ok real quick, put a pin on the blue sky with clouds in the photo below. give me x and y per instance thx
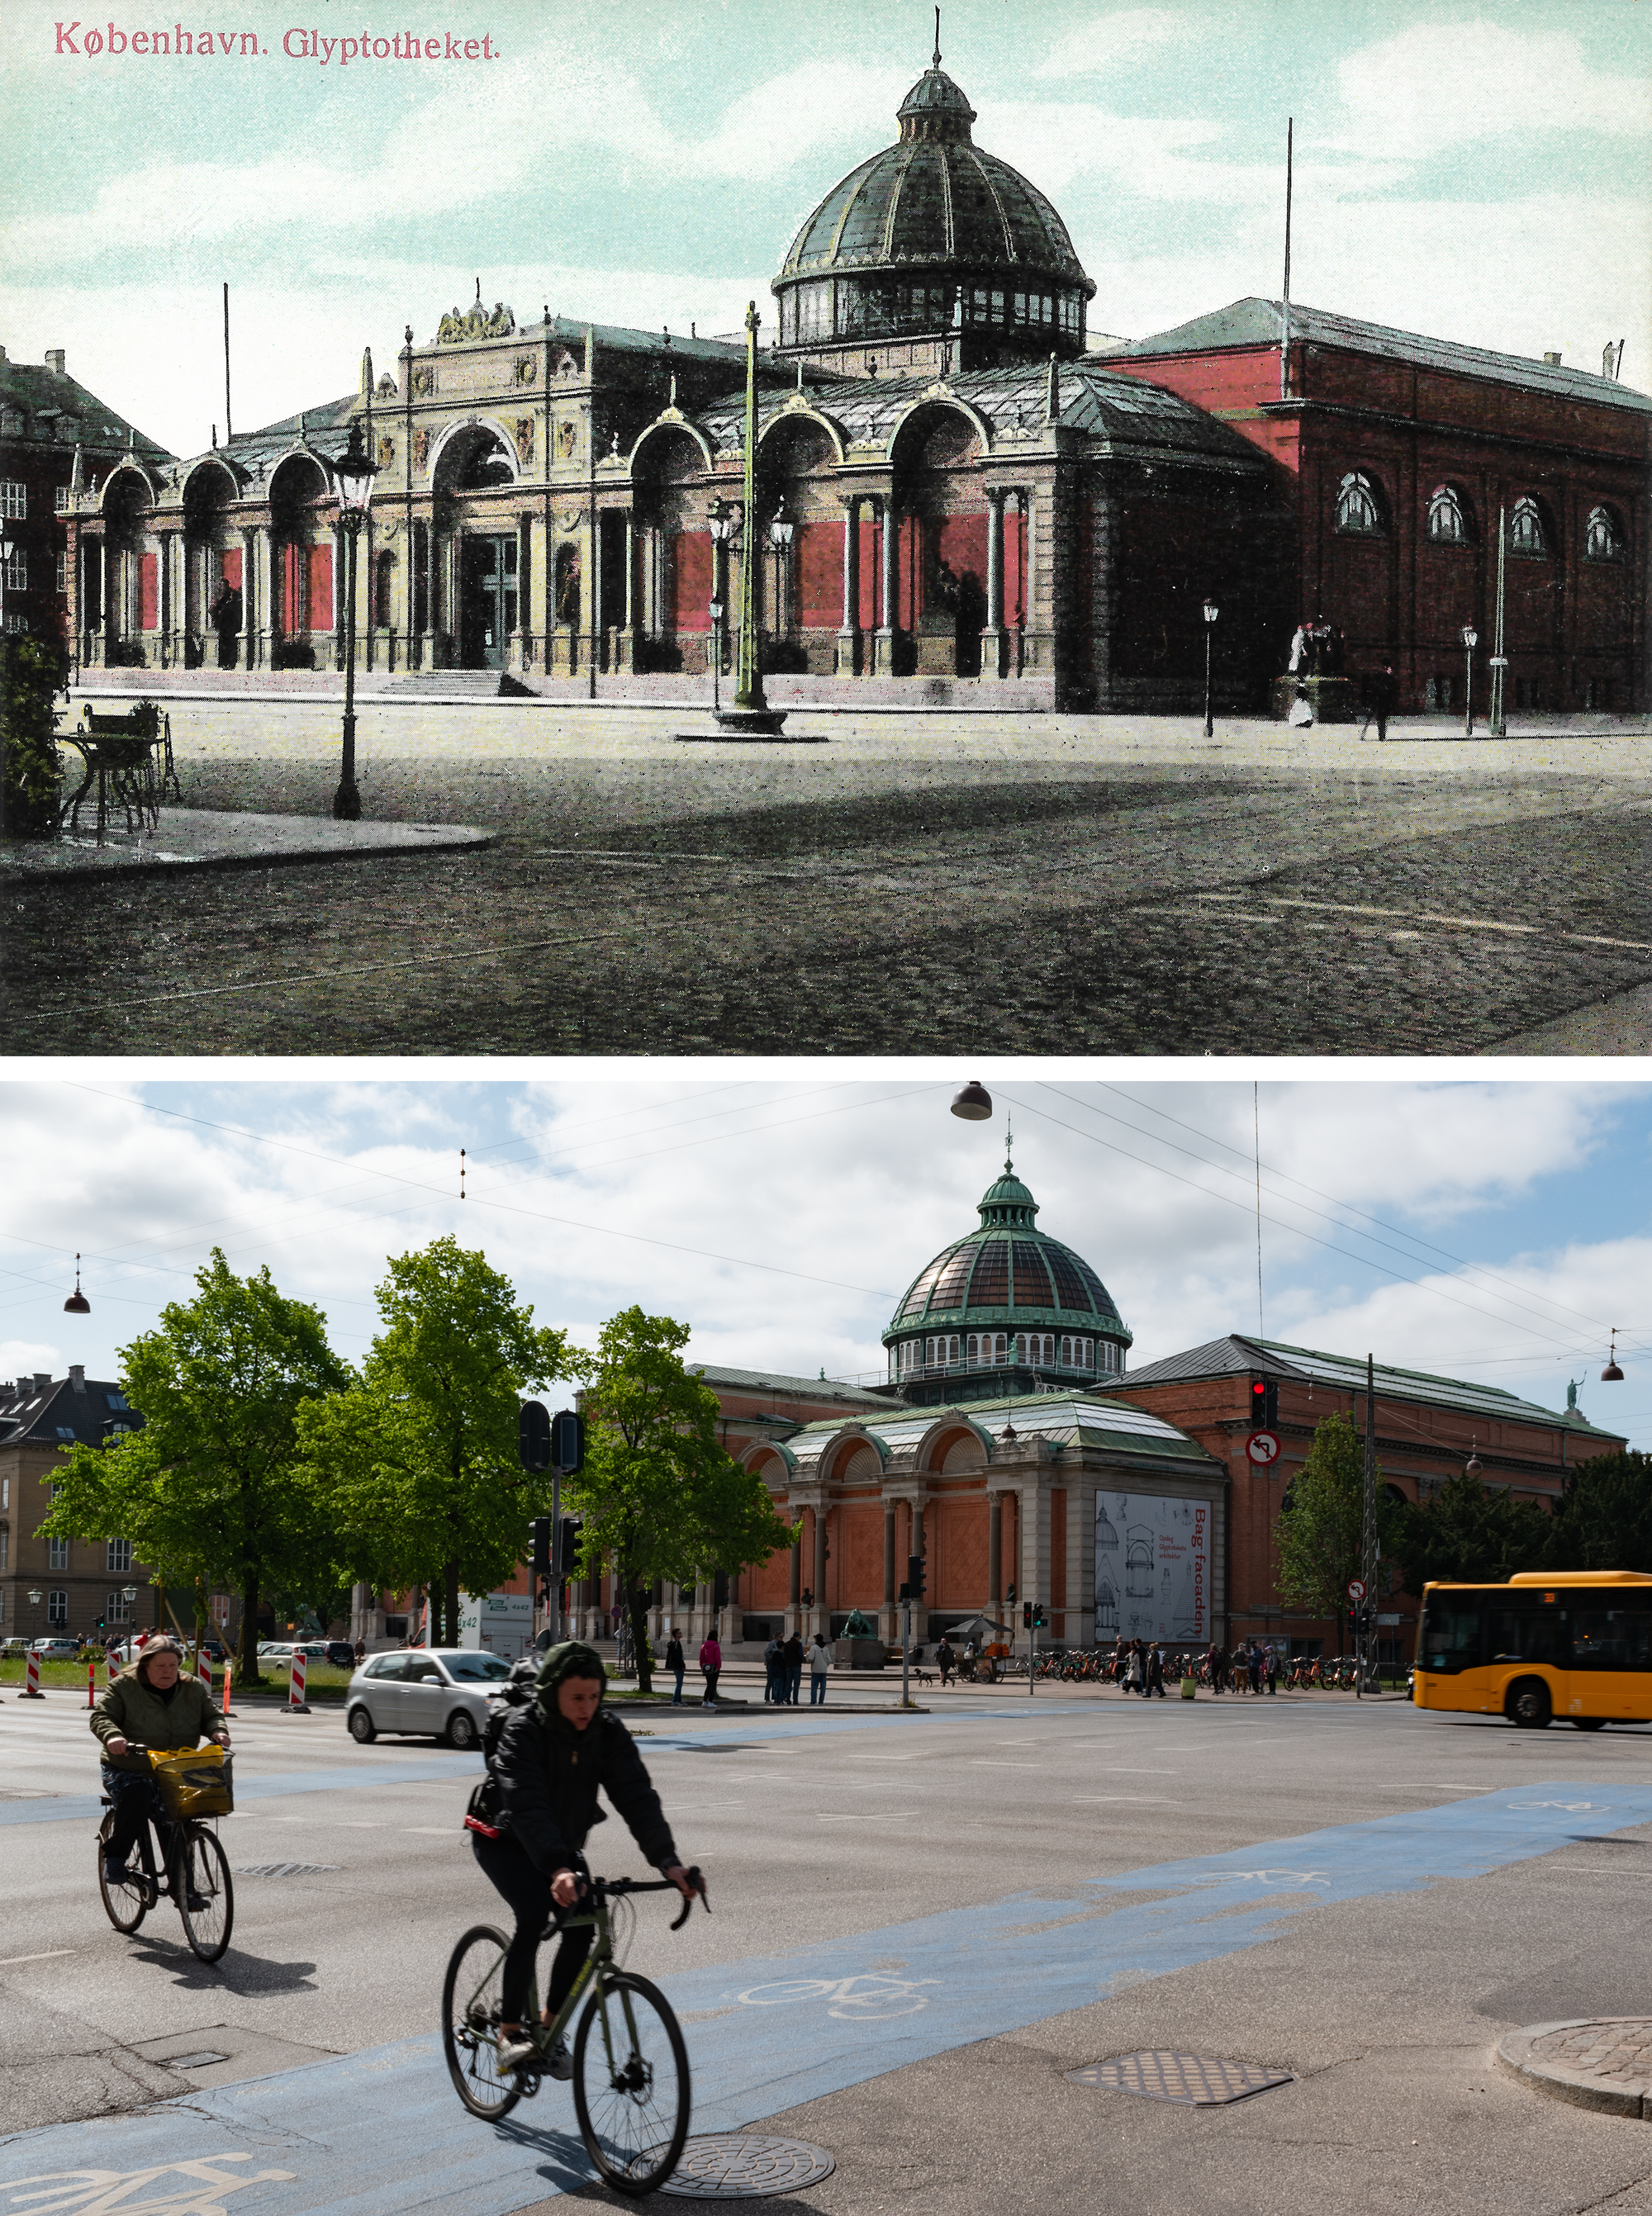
(1478, 171)
(1480, 1229)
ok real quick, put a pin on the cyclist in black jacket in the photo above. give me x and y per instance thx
(553, 1755)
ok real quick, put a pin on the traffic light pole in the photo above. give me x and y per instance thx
(555, 1558)
(906, 1654)
(1366, 1611)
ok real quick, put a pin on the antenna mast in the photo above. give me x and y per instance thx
(228, 432)
(1285, 317)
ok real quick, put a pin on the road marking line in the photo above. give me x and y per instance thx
(859, 1816)
(49, 1956)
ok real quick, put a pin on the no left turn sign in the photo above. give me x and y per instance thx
(1263, 1448)
(1356, 1589)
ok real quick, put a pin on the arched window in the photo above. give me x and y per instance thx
(951, 1349)
(1020, 1346)
(1527, 532)
(1002, 1352)
(1067, 1353)
(1448, 517)
(1603, 541)
(1360, 506)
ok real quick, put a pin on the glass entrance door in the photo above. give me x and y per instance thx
(489, 600)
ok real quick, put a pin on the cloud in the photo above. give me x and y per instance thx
(1433, 88)
(1095, 47)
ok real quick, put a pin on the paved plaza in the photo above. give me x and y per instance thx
(898, 883)
(966, 1951)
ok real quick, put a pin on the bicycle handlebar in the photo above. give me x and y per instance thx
(695, 1876)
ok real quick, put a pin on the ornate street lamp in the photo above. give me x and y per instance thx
(1470, 640)
(780, 530)
(751, 713)
(77, 1303)
(724, 522)
(355, 470)
(1210, 614)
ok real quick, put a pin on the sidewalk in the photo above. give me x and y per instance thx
(199, 838)
(1604, 2064)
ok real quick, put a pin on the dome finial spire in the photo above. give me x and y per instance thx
(936, 63)
(1009, 1166)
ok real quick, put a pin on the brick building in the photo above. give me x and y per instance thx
(1426, 1429)
(1399, 456)
(57, 439)
(79, 1580)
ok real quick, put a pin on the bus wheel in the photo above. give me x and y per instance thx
(1527, 1704)
(1588, 1723)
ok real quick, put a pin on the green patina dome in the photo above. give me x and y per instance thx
(1005, 1283)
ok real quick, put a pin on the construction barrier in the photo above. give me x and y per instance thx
(296, 1703)
(204, 1671)
(32, 1690)
(91, 1683)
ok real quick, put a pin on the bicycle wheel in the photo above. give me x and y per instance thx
(471, 2008)
(204, 1890)
(630, 2084)
(127, 1905)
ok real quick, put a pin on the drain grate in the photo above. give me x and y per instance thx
(194, 2061)
(1197, 2081)
(283, 1869)
(745, 2166)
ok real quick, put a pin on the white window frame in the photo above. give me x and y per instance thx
(14, 500)
(57, 1609)
(57, 1554)
(118, 1557)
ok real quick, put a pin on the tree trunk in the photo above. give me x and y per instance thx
(247, 1662)
(450, 1603)
(638, 1594)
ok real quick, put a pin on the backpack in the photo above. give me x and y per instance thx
(483, 1812)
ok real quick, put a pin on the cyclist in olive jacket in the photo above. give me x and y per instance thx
(553, 1754)
(152, 1706)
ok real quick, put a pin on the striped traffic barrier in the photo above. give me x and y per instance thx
(91, 1682)
(296, 1705)
(204, 1671)
(32, 1690)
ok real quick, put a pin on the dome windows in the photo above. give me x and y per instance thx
(1603, 538)
(1528, 529)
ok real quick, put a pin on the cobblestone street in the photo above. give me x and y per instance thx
(912, 883)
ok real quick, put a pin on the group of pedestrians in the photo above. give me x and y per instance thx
(711, 1662)
(1250, 1668)
(783, 1666)
(1138, 1667)
(1142, 1665)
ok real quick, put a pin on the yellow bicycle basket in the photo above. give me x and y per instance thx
(194, 1782)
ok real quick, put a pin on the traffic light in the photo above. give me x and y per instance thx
(541, 1545)
(1026, 1614)
(568, 1441)
(532, 1436)
(1038, 1615)
(1264, 1403)
(905, 1593)
(567, 1548)
(915, 1575)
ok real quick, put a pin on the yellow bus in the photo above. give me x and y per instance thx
(1577, 1645)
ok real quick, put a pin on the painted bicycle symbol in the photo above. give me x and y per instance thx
(1571, 1808)
(1264, 1877)
(170, 2188)
(864, 1999)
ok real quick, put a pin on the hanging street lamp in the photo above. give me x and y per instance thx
(973, 1102)
(77, 1303)
(355, 471)
(1210, 614)
(750, 715)
(1611, 1374)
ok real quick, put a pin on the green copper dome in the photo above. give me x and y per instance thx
(1004, 1299)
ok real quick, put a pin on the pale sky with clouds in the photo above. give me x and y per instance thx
(1477, 170)
(1484, 1230)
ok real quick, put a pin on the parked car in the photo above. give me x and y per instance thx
(440, 1694)
(58, 1650)
(8, 1647)
(342, 1653)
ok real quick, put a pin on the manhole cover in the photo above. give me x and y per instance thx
(1198, 2081)
(744, 2166)
(283, 1869)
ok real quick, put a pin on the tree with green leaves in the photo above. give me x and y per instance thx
(659, 1495)
(418, 1459)
(31, 767)
(1319, 1538)
(1603, 1519)
(212, 1490)
(1468, 1534)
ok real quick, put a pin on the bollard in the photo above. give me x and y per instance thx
(229, 1673)
(32, 1690)
(296, 1705)
(91, 1682)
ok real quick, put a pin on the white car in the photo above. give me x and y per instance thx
(440, 1694)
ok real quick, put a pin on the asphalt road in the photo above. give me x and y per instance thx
(920, 1924)
(1038, 884)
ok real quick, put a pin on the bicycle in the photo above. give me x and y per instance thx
(632, 2097)
(195, 1873)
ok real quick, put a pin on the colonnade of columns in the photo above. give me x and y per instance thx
(871, 652)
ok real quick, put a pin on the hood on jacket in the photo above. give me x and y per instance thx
(572, 1658)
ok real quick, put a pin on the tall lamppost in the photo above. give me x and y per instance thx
(751, 712)
(724, 521)
(354, 469)
(1470, 640)
(1210, 614)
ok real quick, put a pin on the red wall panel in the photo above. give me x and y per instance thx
(293, 620)
(818, 555)
(321, 586)
(149, 592)
(232, 567)
(691, 571)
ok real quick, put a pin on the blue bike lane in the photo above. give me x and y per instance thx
(380, 2132)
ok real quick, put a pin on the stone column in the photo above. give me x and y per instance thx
(626, 656)
(888, 1615)
(995, 1554)
(794, 1581)
(248, 579)
(849, 636)
(524, 587)
(920, 1608)
(889, 608)
(992, 636)
(272, 572)
(820, 1610)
